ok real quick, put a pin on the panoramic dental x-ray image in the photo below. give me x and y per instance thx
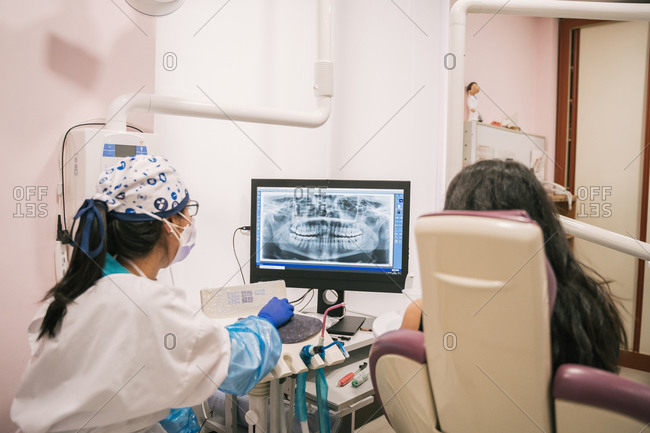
(327, 227)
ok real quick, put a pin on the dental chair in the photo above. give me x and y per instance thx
(483, 362)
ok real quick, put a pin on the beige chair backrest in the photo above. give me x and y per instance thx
(486, 322)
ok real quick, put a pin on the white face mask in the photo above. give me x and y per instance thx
(187, 238)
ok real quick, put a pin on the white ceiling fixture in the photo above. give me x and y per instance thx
(155, 8)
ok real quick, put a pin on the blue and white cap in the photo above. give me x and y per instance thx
(140, 186)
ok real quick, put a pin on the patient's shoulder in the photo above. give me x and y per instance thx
(412, 315)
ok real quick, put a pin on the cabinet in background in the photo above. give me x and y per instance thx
(482, 141)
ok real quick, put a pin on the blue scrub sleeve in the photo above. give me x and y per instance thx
(255, 348)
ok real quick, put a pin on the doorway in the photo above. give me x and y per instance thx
(602, 157)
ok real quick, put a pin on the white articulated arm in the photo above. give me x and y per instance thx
(606, 238)
(121, 106)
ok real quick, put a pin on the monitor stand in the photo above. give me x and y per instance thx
(328, 298)
(347, 325)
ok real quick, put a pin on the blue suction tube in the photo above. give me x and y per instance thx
(321, 398)
(306, 354)
(301, 402)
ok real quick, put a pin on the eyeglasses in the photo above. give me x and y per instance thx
(192, 208)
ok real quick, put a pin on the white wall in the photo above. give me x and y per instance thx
(263, 55)
(62, 63)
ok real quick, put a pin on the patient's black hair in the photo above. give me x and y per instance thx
(586, 327)
(469, 86)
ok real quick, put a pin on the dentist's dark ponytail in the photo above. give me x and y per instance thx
(127, 239)
(82, 273)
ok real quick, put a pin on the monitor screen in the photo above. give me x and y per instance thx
(330, 234)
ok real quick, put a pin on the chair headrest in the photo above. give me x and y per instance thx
(510, 215)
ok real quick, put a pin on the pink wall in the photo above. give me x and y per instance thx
(62, 63)
(514, 61)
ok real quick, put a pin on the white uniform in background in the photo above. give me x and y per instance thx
(472, 104)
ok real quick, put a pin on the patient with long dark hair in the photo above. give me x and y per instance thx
(586, 327)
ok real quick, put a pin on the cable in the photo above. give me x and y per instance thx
(360, 313)
(63, 235)
(302, 297)
(322, 335)
(308, 302)
(298, 301)
(65, 137)
(234, 251)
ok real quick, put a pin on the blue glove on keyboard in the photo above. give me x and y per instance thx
(277, 311)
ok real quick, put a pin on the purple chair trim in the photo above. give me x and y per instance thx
(403, 342)
(594, 387)
(551, 283)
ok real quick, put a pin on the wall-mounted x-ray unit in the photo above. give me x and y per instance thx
(89, 151)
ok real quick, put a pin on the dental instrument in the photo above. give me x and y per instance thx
(350, 376)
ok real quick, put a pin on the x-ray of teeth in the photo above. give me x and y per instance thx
(328, 227)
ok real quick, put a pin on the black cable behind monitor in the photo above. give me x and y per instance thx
(234, 251)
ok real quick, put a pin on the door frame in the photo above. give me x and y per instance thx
(565, 156)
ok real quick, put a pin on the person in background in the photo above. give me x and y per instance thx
(112, 349)
(472, 102)
(586, 327)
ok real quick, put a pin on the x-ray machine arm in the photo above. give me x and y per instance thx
(323, 91)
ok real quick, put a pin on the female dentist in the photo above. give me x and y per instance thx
(112, 349)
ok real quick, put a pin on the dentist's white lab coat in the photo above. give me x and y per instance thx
(128, 351)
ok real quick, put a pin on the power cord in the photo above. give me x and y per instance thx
(234, 250)
(302, 298)
(308, 302)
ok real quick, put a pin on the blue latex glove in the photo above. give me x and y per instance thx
(277, 311)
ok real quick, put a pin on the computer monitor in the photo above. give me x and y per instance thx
(330, 234)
